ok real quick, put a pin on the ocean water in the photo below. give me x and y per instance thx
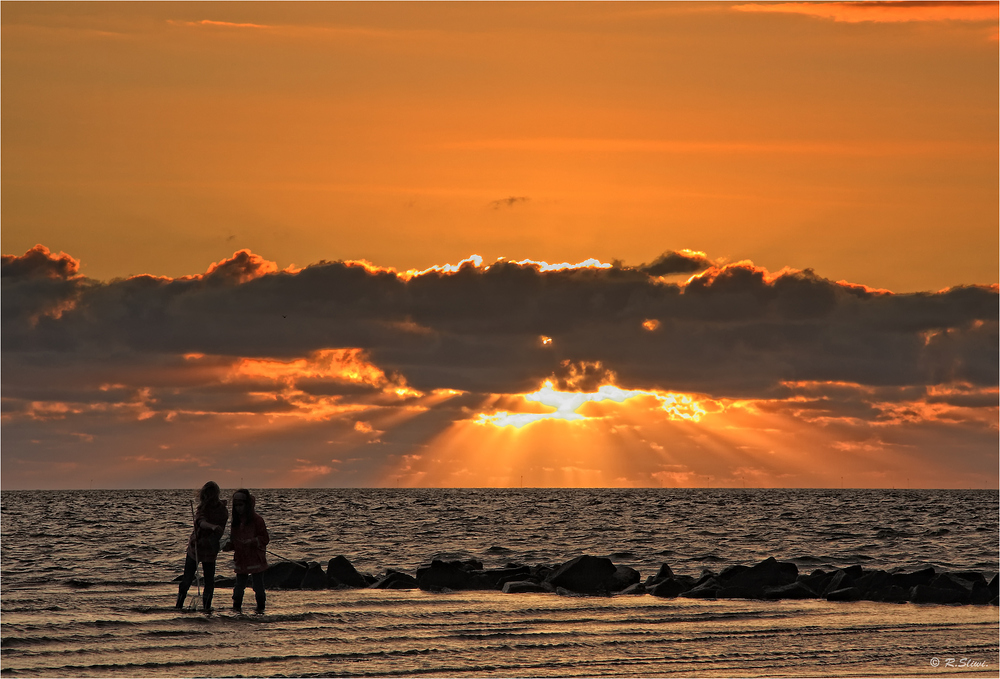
(87, 584)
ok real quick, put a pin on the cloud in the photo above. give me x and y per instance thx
(882, 12)
(216, 24)
(39, 262)
(673, 262)
(510, 201)
(338, 352)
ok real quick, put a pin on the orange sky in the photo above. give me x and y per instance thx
(258, 223)
(859, 140)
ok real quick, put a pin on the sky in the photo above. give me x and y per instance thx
(478, 244)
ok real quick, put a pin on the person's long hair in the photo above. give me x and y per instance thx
(237, 519)
(209, 492)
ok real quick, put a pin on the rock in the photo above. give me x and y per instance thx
(927, 594)
(497, 577)
(794, 590)
(541, 572)
(669, 588)
(740, 593)
(818, 580)
(637, 588)
(874, 585)
(444, 575)
(842, 579)
(953, 582)
(396, 580)
(705, 576)
(284, 575)
(623, 577)
(768, 573)
(910, 580)
(664, 573)
(525, 587)
(980, 594)
(339, 571)
(707, 589)
(969, 576)
(845, 594)
(585, 574)
(732, 571)
(995, 584)
(314, 577)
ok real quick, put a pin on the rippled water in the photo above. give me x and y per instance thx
(86, 584)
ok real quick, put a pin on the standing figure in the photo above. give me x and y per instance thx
(203, 545)
(248, 538)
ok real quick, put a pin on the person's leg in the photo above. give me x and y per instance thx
(258, 590)
(208, 568)
(190, 565)
(241, 584)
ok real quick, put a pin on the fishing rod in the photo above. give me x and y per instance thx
(303, 564)
(197, 561)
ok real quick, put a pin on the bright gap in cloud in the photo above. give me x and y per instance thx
(565, 405)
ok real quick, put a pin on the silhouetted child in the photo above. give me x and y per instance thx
(203, 545)
(248, 538)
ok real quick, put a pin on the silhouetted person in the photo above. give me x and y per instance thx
(247, 538)
(203, 545)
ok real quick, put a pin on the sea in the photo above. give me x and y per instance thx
(88, 587)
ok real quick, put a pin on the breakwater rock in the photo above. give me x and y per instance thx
(590, 575)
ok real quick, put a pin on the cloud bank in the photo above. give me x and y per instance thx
(358, 347)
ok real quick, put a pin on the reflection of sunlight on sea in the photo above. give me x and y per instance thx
(114, 632)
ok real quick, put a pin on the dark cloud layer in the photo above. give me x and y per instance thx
(732, 331)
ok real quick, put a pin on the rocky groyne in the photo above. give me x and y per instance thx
(590, 575)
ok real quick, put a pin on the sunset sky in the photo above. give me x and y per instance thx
(477, 244)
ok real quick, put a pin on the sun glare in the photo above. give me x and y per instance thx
(566, 404)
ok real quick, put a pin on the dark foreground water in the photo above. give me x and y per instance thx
(86, 585)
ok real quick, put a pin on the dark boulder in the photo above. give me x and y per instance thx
(794, 590)
(952, 581)
(708, 588)
(768, 573)
(980, 593)
(396, 580)
(623, 577)
(732, 571)
(526, 587)
(637, 588)
(669, 588)
(842, 579)
(314, 577)
(497, 577)
(444, 575)
(740, 593)
(818, 580)
(284, 575)
(585, 575)
(874, 585)
(705, 576)
(664, 573)
(927, 594)
(845, 594)
(910, 580)
(995, 584)
(339, 571)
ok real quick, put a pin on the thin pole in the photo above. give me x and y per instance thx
(303, 564)
(197, 561)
